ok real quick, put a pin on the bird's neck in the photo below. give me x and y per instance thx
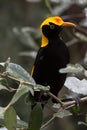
(44, 41)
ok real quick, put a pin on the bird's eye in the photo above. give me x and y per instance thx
(52, 26)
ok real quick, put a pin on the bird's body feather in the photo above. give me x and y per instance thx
(47, 64)
(52, 56)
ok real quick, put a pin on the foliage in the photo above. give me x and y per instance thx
(19, 35)
(26, 84)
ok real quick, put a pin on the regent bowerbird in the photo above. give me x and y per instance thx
(52, 55)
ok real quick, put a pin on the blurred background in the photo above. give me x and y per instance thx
(20, 38)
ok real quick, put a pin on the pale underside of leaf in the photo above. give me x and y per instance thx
(76, 85)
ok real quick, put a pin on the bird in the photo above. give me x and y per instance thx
(52, 55)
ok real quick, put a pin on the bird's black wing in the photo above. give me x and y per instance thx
(37, 70)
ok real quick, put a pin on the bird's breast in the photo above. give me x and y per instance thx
(48, 62)
(56, 55)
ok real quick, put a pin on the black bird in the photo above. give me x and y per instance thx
(52, 55)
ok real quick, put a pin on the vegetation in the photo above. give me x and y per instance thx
(20, 39)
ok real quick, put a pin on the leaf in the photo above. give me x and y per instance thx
(3, 81)
(76, 85)
(56, 105)
(2, 110)
(76, 109)
(22, 124)
(36, 117)
(3, 87)
(82, 123)
(30, 42)
(1, 120)
(62, 114)
(5, 64)
(20, 91)
(25, 38)
(77, 68)
(81, 36)
(18, 72)
(47, 119)
(33, 1)
(3, 84)
(39, 87)
(86, 118)
(10, 118)
(31, 54)
(2, 64)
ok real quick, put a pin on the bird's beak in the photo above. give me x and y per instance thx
(69, 24)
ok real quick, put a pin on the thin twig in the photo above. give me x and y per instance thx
(72, 42)
(72, 16)
(81, 30)
(70, 103)
(5, 75)
(64, 105)
(48, 122)
(56, 98)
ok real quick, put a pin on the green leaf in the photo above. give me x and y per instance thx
(76, 109)
(3, 81)
(20, 73)
(47, 119)
(62, 114)
(2, 120)
(2, 64)
(82, 123)
(25, 38)
(77, 68)
(36, 117)
(21, 124)
(2, 116)
(39, 87)
(10, 118)
(86, 118)
(5, 64)
(3, 84)
(30, 42)
(56, 105)
(3, 87)
(31, 54)
(21, 91)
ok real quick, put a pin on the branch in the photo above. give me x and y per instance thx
(72, 16)
(56, 98)
(73, 103)
(72, 42)
(64, 105)
(5, 75)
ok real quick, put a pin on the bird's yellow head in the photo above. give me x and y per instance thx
(50, 26)
(56, 20)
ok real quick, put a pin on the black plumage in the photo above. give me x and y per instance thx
(50, 59)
